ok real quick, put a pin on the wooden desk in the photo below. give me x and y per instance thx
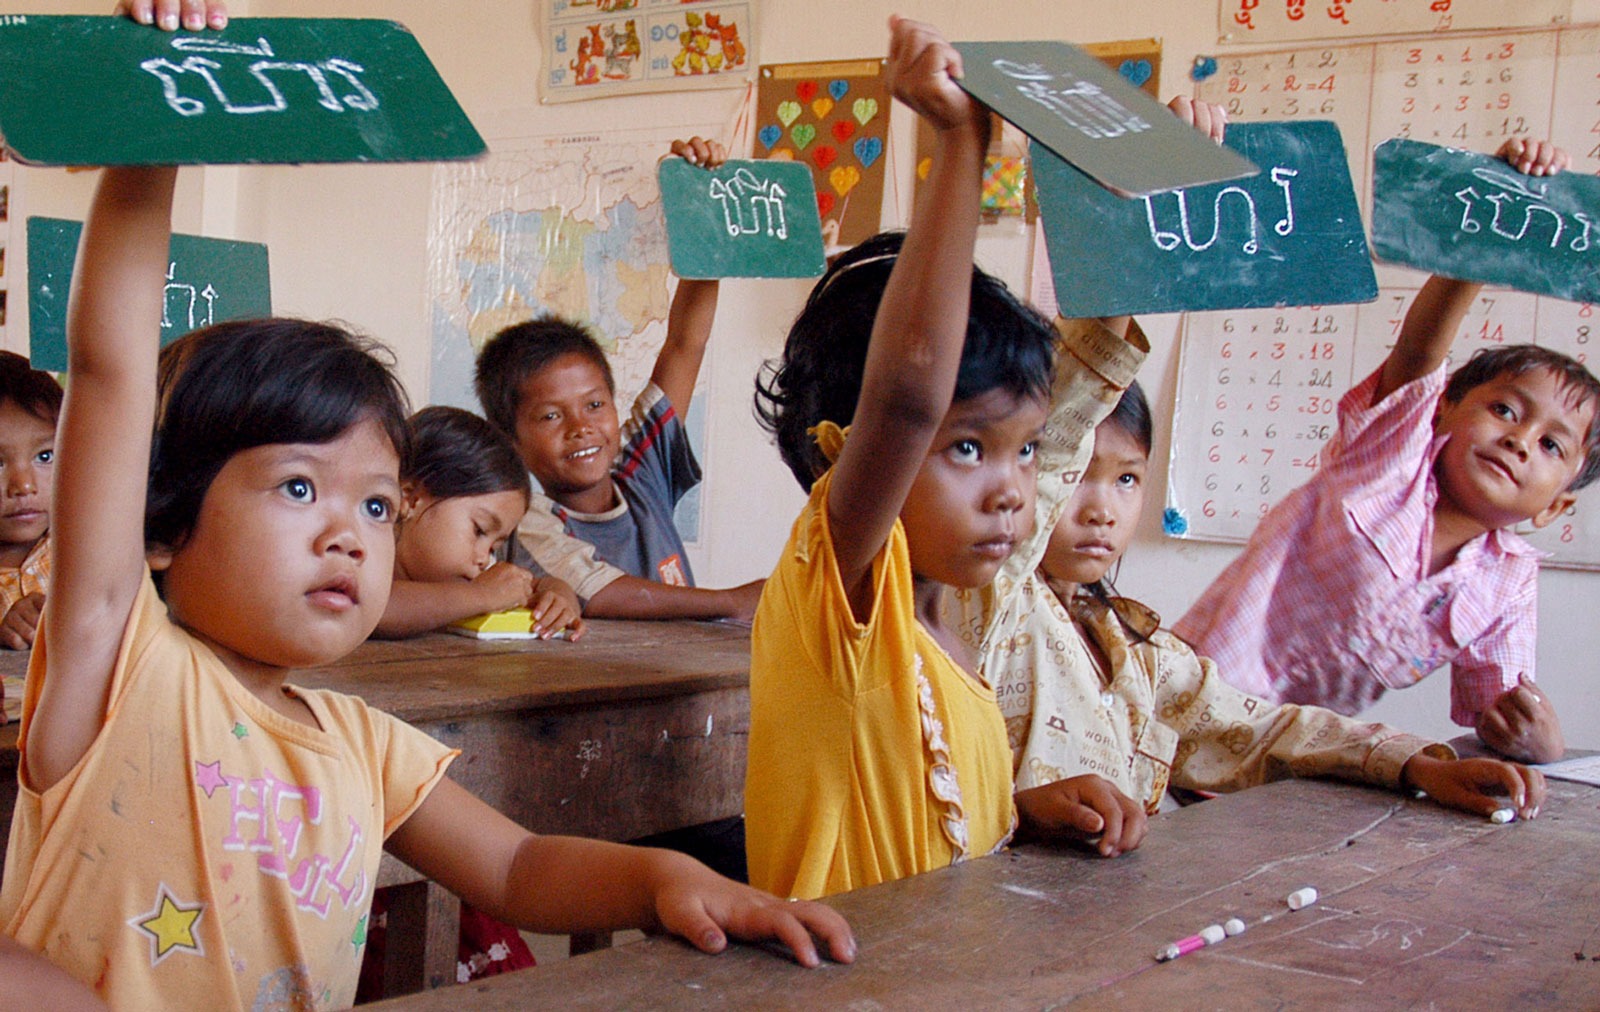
(1420, 908)
(636, 730)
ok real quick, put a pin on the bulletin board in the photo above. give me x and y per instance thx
(1258, 389)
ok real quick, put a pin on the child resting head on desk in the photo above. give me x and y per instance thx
(188, 823)
(603, 519)
(462, 492)
(1398, 556)
(30, 402)
(1095, 695)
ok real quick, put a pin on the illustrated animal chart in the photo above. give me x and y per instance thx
(834, 117)
(596, 48)
(1007, 184)
(208, 281)
(264, 90)
(1258, 389)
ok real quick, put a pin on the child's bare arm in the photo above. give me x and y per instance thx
(113, 323)
(694, 306)
(1435, 316)
(566, 884)
(915, 349)
(416, 607)
(1476, 785)
(33, 982)
(635, 597)
(1522, 725)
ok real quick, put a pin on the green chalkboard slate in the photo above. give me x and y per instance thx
(107, 91)
(208, 281)
(1290, 236)
(1470, 216)
(743, 219)
(1091, 116)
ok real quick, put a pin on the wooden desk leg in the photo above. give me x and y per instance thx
(588, 941)
(424, 937)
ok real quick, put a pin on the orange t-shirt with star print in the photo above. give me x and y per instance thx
(208, 849)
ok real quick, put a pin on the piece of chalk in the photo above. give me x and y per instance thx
(1233, 926)
(1212, 934)
(1301, 898)
(1501, 816)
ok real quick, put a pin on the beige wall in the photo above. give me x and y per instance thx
(351, 242)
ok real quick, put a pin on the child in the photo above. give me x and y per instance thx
(30, 400)
(1094, 691)
(1398, 556)
(462, 493)
(875, 750)
(603, 523)
(188, 824)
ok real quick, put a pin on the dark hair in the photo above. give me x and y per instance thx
(456, 453)
(1576, 381)
(30, 389)
(520, 351)
(247, 383)
(1009, 345)
(1132, 415)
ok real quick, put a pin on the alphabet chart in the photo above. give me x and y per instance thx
(1258, 389)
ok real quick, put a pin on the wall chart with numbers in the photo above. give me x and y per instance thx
(1258, 389)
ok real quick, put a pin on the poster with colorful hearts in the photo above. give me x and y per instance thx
(834, 116)
(1007, 184)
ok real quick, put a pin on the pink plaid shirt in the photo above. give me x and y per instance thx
(1329, 604)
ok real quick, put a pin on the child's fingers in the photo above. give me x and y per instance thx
(687, 918)
(576, 629)
(823, 922)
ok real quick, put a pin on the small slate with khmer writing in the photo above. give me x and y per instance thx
(1089, 115)
(743, 219)
(107, 91)
(1290, 236)
(1474, 217)
(208, 281)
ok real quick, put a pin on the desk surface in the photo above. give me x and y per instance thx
(1420, 907)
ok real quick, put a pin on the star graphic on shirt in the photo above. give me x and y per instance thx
(170, 925)
(208, 776)
(240, 731)
(358, 938)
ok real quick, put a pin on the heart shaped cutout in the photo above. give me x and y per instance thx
(824, 155)
(807, 90)
(824, 204)
(822, 106)
(802, 134)
(843, 130)
(867, 150)
(788, 112)
(770, 135)
(864, 109)
(838, 88)
(844, 178)
(1137, 71)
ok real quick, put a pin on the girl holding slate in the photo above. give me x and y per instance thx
(190, 825)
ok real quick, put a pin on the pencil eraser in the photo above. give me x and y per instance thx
(1212, 934)
(1301, 898)
(1233, 926)
(1502, 816)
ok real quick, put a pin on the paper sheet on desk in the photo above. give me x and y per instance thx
(1582, 770)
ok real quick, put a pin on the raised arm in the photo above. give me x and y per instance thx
(636, 597)
(1435, 316)
(921, 323)
(694, 306)
(97, 536)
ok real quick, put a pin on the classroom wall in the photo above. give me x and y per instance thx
(351, 242)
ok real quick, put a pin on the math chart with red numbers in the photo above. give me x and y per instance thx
(1258, 389)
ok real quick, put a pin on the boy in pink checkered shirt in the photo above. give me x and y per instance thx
(1398, 556)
